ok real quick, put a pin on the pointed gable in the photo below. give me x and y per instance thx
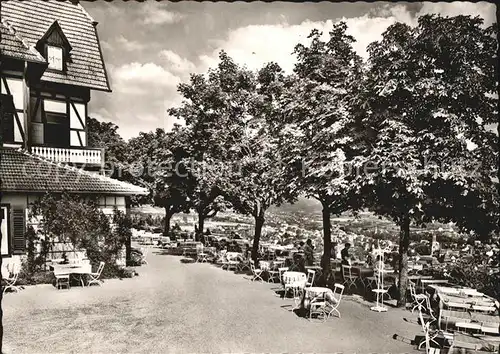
(54, 36)
(65, 21)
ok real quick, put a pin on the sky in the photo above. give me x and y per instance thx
(151, 47)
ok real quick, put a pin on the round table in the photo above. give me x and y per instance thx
(312, 293)
(294, 279)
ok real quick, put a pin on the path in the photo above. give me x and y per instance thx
(176, 307)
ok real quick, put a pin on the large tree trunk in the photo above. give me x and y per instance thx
(327, 241)
(404, 243)
(128, 250)
(259, 222)
(168, 216)
(201, 225)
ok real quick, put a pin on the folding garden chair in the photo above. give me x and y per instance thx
(327, 304)
(274, 274)
(310, 277)
(62, 280)
(431, 334)
(201, 257)
(144, 251)
(244, 265)
(256, 272)
(94, 277)
(420, 301)
(349, 278)
(11, 279)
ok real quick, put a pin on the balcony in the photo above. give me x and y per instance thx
(84, 156)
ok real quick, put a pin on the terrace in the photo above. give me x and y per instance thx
(175, 307)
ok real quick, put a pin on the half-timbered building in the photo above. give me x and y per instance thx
(50, 63)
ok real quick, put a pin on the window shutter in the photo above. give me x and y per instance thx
(19, 230)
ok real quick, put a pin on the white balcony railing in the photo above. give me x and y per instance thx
(70, 155)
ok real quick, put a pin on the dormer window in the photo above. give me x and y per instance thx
(55, 47)
(55, 57)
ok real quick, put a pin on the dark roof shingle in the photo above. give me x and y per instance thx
(24, 172)
(12, 46)
(31, 20)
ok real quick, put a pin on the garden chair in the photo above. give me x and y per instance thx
(310, 278)
(420, 301)
(273, 273)
(94, 277)
(11, 279)
(326, 305)
(144, 251)
(281, 271)
(201, 256)
(349, 278)
(62, 280)
(244, 265)
(256, 272)
(431, 335)
(230, 263)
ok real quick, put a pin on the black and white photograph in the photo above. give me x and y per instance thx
(249, 177)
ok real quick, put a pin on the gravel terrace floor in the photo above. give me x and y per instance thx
(175, 307)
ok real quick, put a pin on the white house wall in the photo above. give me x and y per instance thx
(16, 88)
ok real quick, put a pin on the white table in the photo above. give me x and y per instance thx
(294, 279)
(72, 269)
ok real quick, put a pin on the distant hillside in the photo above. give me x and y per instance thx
(303, 205)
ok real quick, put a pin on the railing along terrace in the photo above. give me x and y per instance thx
(70, 155)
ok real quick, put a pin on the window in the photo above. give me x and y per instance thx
(56, 130)
(4, 217)
(13, 122)
(55, 57)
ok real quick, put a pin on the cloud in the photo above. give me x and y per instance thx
(482, 9)
(136, 77)
(176, 62)
(145, 87)
(138, 102)
(157, 14)
(106, 45)
(130, 45)
(256, 45)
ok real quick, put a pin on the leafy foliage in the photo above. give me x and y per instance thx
(319, 115)
(218, 99)
(153, 159)
(78, 221)
(429, 96)
(105, 135)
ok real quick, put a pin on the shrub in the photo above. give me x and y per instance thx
(85, 226)
(115, 271)
(27, 277)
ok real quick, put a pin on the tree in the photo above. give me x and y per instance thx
(212, 104)
(105, 135)
(152, 159)
(319, 117)
(429, 95)
(260, 182)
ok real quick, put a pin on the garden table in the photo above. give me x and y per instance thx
(464, 342)
(425, 283)
(294, 277)
(313, 293)
(72, 269)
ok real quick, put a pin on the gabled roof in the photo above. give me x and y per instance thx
(13, 46)
(57, 28)
(21, 172)
(32, 19)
